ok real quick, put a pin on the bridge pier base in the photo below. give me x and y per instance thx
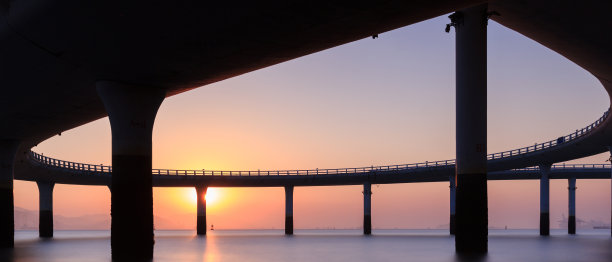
(45, 203)
(471, 227)
(131, 110)
(201, 221)
(452, 205)
(571, 222)
(544, 200)
(8, 150)
(367, 209)
(288, 210)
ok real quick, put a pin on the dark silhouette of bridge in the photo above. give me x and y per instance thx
(83, 60)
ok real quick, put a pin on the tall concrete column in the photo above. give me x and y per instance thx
(288, 210)
(201, 222)
(367, 209)
(453, 193)
(610, 150)
(45, 203)
(571, 223)
(471, 129)
(131, 110)
(8, 150)
(544, 200)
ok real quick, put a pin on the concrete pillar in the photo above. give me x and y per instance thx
(201, 222)
(452, 205)
(610, 150)
(8, 150)
(45, 203)
(367, 209)
(131, 110)
(544, 200)
(471, 219)
(288, 210)
(571, 223)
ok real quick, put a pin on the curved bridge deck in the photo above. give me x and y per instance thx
(508, 165)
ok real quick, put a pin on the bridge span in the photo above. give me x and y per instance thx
(47, 171)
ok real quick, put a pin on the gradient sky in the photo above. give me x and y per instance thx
(380, 101)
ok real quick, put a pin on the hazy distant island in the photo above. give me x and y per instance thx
(26, 219)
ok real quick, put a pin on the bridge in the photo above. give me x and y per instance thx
(87, 60)
(47, 171)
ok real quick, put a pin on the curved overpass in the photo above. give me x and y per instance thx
(582, 143)
(42, 169)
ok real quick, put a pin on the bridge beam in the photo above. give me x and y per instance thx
(544, 200)
(8, 150)
(201, 209)
(367, 209)
(288, 210)
(131, 110)
(45, 203)
(453, 194)
(471, 130)
(571, 222)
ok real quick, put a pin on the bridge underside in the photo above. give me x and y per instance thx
(45, 52)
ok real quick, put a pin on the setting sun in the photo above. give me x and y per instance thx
(212, 195)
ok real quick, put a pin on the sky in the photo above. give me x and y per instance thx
(383, 101)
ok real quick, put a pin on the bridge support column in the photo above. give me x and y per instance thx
(571, 222)
(45, 203)
(201, 222)
(288, 210)
(367, 209)
(8, 150)
(131, 110)
(544, 200)
(452, 205)
(471, 227)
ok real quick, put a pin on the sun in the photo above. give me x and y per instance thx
(212, 195)
(188, 197)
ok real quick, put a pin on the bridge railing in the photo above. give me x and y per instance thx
(48, 161)
(434, 164)
(332, 171)
(560, 140)
(568, 166)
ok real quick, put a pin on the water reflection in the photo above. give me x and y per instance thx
(326, 245)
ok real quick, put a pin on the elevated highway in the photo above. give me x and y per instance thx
(507, 165)
(63, 172)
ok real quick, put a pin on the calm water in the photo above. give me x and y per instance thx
(318, 245)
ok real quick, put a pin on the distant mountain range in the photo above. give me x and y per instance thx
(28, 220)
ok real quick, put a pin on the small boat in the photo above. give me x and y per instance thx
(212, 227)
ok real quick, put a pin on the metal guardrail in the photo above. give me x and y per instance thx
(567, 166)
(563, 139)
(81, 167)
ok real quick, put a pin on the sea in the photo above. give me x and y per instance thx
(511, 245)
